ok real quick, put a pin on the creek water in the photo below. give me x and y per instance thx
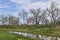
(37, 37)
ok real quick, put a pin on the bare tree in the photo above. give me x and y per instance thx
(2, 17)
(53, 12)
(16, 21)
(30, 20)
(44, 17)
(36, 15)
(23, 15)
(13, 20)
(6, 20)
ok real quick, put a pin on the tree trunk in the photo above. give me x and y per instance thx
(42, 37)
(56, 38)
(52, 37)
(37, 37)
(37, 21)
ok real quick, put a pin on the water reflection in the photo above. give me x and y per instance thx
(37, 37)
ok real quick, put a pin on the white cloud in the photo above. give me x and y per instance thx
(38, 5)
(20, 1)
(35, 5)
(26, 4)
(42, 5)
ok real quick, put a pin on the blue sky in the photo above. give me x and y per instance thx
(12, 7)
(7, 7)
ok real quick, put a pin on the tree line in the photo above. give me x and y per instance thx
(37, 16)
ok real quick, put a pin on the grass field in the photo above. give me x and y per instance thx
(4, 35)
(41, 31)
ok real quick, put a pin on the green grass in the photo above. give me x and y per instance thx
(41, 30)
(4, 35)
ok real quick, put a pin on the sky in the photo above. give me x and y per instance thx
(13, 7)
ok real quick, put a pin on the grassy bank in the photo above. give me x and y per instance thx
(40, 30)
(5, 35)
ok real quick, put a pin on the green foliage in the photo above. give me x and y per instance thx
(31, 27)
